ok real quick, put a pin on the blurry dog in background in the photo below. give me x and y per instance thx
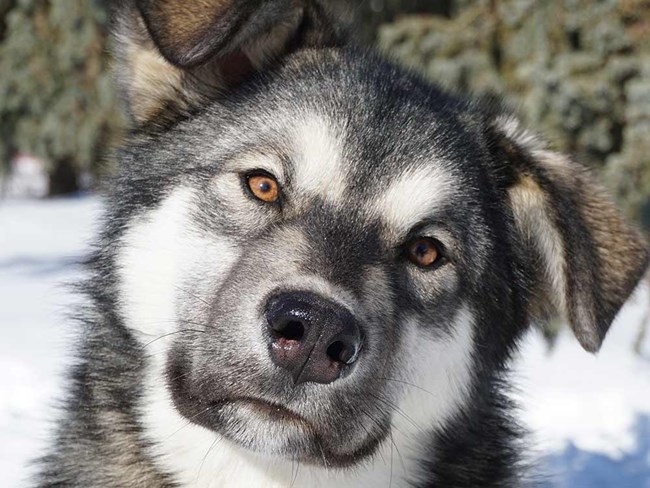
(315, 266)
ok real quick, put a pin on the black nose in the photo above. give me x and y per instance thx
(312, 338)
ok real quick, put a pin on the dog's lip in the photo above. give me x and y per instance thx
(273, 410)
(222, 409)
(326, 457)
(233, 407)
(186, 402)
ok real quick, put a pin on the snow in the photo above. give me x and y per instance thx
(592, 400)
(40, 242)
(27, 177)
(590, 414)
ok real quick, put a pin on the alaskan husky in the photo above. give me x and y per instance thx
(315, 266)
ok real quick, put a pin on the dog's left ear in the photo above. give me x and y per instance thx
(584, 259)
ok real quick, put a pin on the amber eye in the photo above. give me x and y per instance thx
(263, 187)
(423, 252)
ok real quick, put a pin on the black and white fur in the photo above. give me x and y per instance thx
(174, 384)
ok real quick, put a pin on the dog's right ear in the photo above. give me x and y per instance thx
(174, 55)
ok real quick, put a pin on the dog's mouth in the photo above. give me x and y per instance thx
(271, 428)
(267, 411)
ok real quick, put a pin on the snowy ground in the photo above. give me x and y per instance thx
(590, 415)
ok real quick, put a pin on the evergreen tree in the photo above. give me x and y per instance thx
(57, 98)
(579, 72)
(374, 13)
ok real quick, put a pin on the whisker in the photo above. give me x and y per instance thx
(294, 477)
(155, 354)
(193, 295)
(178, 377)
(399, 454)
(392, 444)
(322, 453)
(198, 324)
(398, 410)
(379, 426)
(410, 384)
(189, 421)
(368, 432)
(214, 443)
(371, 417)
(177, 320)
(170, 334)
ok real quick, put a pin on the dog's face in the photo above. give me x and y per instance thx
(334, 250)
(325, 257)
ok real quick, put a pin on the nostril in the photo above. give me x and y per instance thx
(291, 330)
(341, 352)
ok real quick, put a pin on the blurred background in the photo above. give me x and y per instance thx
(578, 71)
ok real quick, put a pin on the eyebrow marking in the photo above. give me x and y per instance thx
(269, 162)
(413, 196)
(318, 158)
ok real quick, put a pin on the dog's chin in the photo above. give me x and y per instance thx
(273, 430)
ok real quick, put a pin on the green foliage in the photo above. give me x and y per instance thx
(578, 70)
(57, 99)
(373, 13)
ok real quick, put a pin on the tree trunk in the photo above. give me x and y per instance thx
(63, 178)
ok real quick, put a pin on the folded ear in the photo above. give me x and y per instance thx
(585, 259)
(173, 55)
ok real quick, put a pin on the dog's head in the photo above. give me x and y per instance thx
(323, 246)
